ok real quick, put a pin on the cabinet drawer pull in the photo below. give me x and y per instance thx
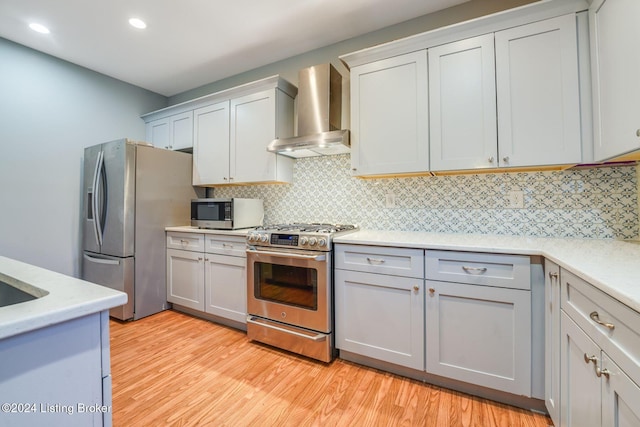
(375, 260)
(184, 242)
(596, 318)
(474, 269)
(227, 245)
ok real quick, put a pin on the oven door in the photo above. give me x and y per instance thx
(290, 286)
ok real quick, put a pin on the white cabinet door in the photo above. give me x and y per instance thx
(615, 43)
(552, 340)
(389, 116)
(226, 287)
(253, 127)
(620, 397)
(480, 335)
(211, 144)
(462, 105)
(174, 132)
(580, 400)
(381, 317)
(185, 278)
(158, 132)
(538, 94)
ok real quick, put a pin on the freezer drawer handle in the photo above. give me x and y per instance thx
(319, 337)
(102, 260)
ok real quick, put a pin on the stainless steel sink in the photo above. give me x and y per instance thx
(15, 292)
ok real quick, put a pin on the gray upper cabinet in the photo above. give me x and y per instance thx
(230, 131)
(509, 90)
(389, 116)
(462, 105)
(174, 132)
(615, 43)
(538, 94)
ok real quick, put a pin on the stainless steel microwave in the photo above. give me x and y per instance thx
(226, 214)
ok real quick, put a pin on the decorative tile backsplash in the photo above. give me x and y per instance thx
(582, 203)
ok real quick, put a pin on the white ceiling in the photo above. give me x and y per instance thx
(189, 43)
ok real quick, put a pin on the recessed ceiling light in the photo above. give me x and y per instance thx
(39, 28)
(138, 23)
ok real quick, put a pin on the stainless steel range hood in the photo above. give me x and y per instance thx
(319, 116)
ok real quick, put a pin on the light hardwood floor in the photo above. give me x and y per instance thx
(174, 369)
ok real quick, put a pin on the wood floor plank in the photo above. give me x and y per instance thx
(171, 369)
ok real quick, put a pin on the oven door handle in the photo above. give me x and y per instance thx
(321, 257)
(317, 338)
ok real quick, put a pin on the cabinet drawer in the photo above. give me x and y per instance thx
(381, 260)
(225, 245)
(185, 241)
(505, 271)
(618, 332)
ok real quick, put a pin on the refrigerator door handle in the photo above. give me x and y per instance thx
(97, 215)
(102, 260)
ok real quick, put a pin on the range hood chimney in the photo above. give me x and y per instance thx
(319, 116)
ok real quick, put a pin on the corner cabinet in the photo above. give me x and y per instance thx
(380, 303)
(552, 340)
(615, 43)
(207, 273)
(600, 358)
(389, 116)
(230, 131)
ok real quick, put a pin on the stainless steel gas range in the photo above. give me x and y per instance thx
(290, 287)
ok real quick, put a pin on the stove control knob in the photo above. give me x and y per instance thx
(313, 241)
(303, 240)
(264, 238)
(322, 242)
(251, 237)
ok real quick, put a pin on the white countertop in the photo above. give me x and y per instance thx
(189, 229)
(612, 266)
(68, 298)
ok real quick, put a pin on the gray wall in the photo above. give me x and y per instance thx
(288, 68)
(49, 111)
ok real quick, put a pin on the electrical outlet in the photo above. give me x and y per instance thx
(515, 199)
(390, 200)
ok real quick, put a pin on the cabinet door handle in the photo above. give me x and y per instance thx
(375, 260)
(553, 275)
(596, 318)
(490, 159)
(416, 288)
(505, 159)
(601, 372)
(474, 269)
(432, 291)
(588, 359)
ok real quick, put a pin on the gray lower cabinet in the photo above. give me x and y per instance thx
(478, 324)
(379, 296)
(207, 273)
(600, 357)
(59, 375)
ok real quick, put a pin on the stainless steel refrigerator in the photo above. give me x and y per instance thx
(132, 191)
